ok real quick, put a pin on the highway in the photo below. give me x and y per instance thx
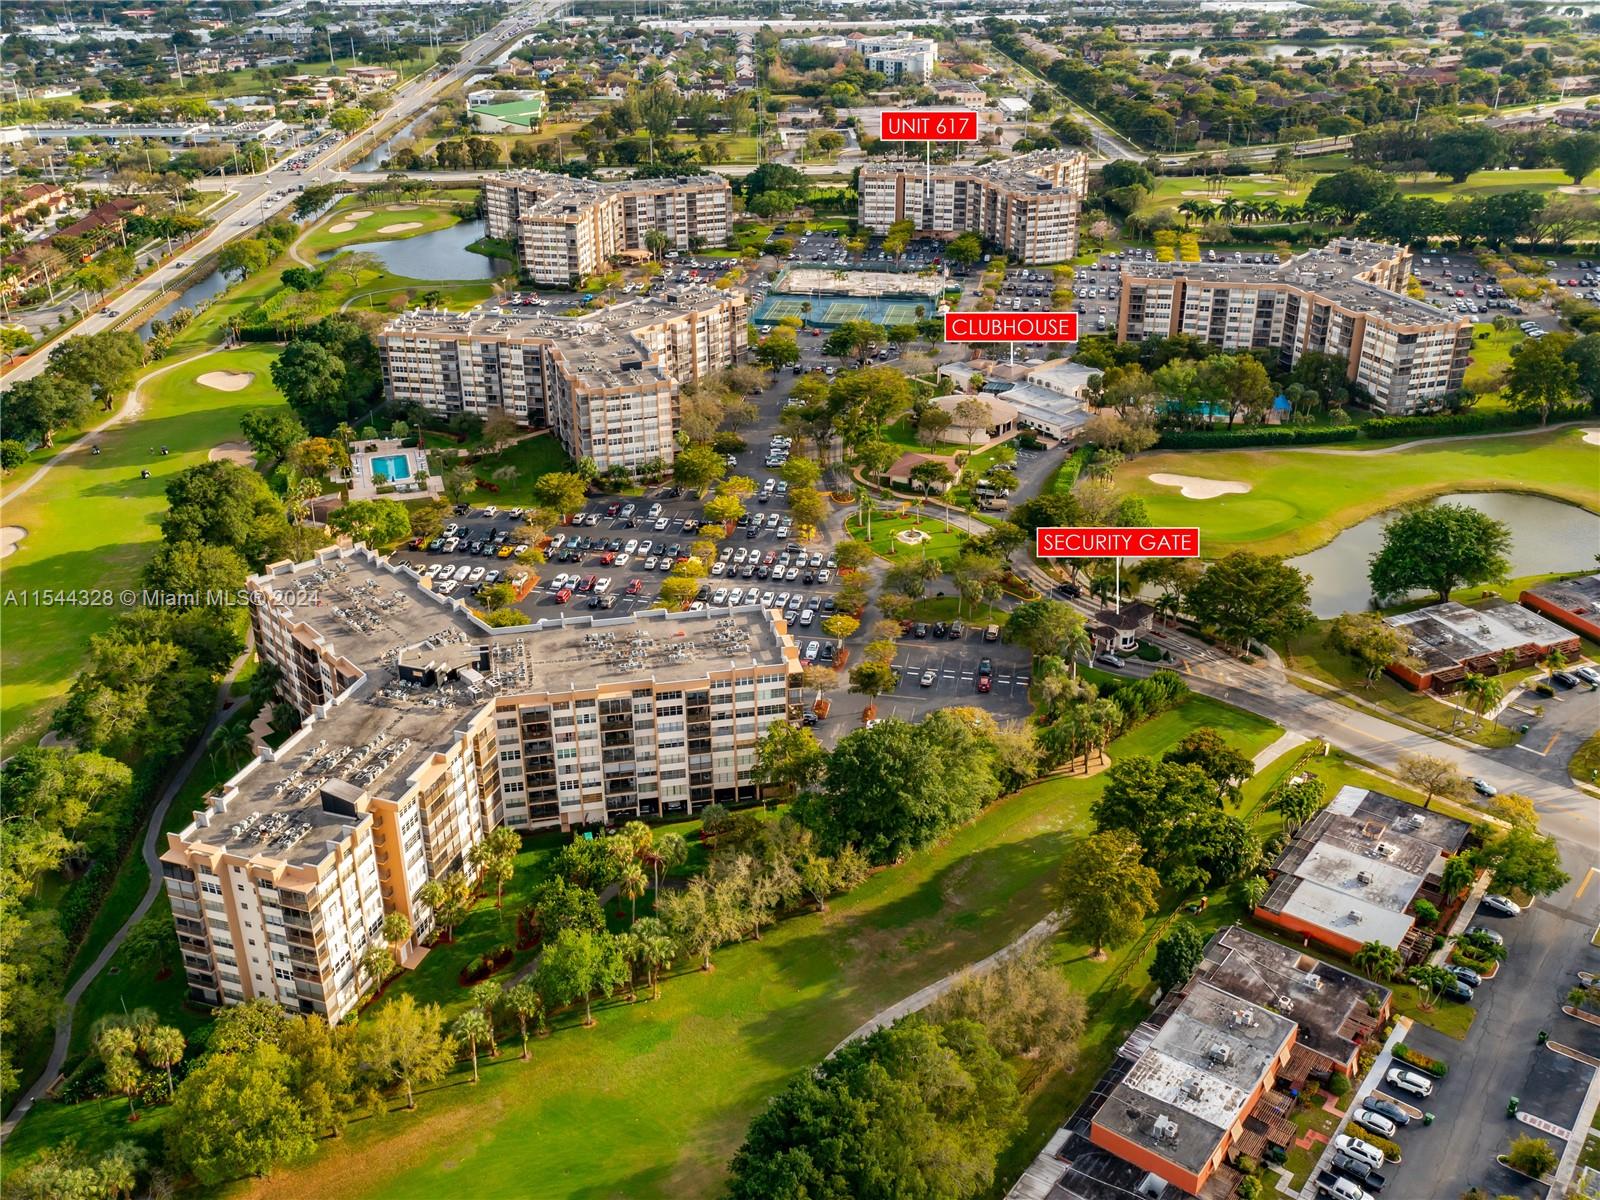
(253, 200)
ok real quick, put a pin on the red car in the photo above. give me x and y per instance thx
(983, 683)
(634, 587)
(588, 584)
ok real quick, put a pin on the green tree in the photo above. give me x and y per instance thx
(1440, 547)
(698, 467)
(106, 362)
(1353, 191)
(788, 757)
(1459, 152)
(1107, 890)
(1247, 597)
(243, 258)
(777, 350)
(1377, 961)
(473, 1027)
(580, 963)
(1577, 154)
(1524, 860)
(1297, 800)
(1221, 763)
(234, 1116)
(1045, 627)
(41, 406)
(1458, 875)
(1532, 1156)
(406, 1044)
(312, 379)
(164, 1047)
(378, 523)
(1430, 982)
(1177, 956)
(1369, 640)
(561, 492)
(271, 432)
(1542, 377)
(964, 250)
(1432, 776)
(526, 1004)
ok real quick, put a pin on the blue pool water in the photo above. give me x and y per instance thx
(393, 466)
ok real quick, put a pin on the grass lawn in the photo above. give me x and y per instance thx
(532, 457)
(1491, 355)
(1301, 500)
(946, 540)
(709, 1053)
(93, 522)
(1447, 1016)
(1585, 764)
(427, 217)
(950, 608)
(1310, 654)
(1174, 190)
(1492, 183)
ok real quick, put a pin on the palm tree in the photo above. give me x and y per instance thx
(345, 433)
(1483, 690)
(632, 885)
(1249, 211)
(1554, 660)
(164, 1046)
(1228, 209)
(486, 997)
(473, 1026)
(1077, 644)
(524, 1000)
(1377, 960)
(232, 742)
(1187, 208)
(667, 851)
(1204, 211)
(1269, 209)
(117, 1170)
(655, 949)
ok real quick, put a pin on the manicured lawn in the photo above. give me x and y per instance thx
(946, 540)
(1492, 183)
(93, 522)
(1585, 764)
(1174, 190)
(710, 1052)
(1448, 1017)
(532, 457)
(950, 608)
(1491, 354)
(1301, 499)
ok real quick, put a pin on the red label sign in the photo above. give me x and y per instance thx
(928, 125)
(1076, 542)
(1011, 327)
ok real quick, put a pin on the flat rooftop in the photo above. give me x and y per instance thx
(1449, 634)
(1356, 866)
(828, 281)
(1022, 172)
(1328, 1004)
(1580, 597)
(419, 668)
(1192, 1083)
(1331, 272)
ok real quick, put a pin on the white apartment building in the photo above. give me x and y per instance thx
(565, 229)
(1346, 299)
(1027, 206)
(606, 384)
(895, 56)
(441, 729)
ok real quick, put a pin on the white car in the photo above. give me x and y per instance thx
(621, 560)
(720, 596)
(812, 650)
(807, 616)
(448, 586)
(650, 563)
(767, 599)
(477, 574)
(1408, 1081)
(491, 511)
(1358, 1149)
(629, 546)
(719, 567)
(663, 523)
(602, 585)
(556, 584)
(736, 596)
(1503, 906)
(431, 571)
(491, 577)
(1374, 1122)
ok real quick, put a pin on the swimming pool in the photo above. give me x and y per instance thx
(391, 466)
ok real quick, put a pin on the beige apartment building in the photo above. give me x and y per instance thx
(565, 229)
(606, 384)
(1027, 206)
(424, 730)
(1346, 299)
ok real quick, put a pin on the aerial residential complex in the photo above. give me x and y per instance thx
(1027, 206)
(424, 730)
(565, 228)
(895, 56)
(606, 385)
(1347, 299)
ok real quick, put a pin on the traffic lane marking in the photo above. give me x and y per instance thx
(1587, 876)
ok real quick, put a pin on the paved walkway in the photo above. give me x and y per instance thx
(154, 843)
(922, 997)
(1286, 742)
(1373, 1077)
(1435, 441)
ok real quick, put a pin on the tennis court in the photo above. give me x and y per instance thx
(836, 310)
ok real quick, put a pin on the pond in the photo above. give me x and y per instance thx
(383, 149)
(201, 289)
(1546, 535)
(442, 254)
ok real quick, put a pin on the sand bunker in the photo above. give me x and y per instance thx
(10, 537)
(358, 214)
(238, 452)
(401, 227)
(1592, 436)
(1575, 190)
(342, 227)
(1192, 487)
(227, 381)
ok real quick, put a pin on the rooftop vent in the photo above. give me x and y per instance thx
(1164, 1129)
(1220, 1053)
(1363, 877)
(1194, 1088)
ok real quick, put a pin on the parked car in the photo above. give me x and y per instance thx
(1408, 1081)
(1388, 1108)
(1465, 974)
(1362, 1151)
(1503, 906)
(1490, 934)
(1110, 659)
(929, 678)
(1375, 1122)
(1484, 788)
(1457, 991)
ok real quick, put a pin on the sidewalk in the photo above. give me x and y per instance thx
(1402, 1026)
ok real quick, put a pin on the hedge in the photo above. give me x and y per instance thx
(1422, 1062)
(1071, 469)
(1256, 435)
(1440, 424)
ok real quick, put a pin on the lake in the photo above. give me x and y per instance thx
(1546, 535)
(383, 149)
(442, 254)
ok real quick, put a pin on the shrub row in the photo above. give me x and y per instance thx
(1440, 424)
(1071, 469)
(82, 899)
(1421, 1061)
(1255, 435)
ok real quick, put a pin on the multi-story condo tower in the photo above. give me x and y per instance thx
(1027, 206)
(606, 384)
(567, 228)
(424, 729)
(1346, 299)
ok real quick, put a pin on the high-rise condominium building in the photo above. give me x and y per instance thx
(565, 228)
(606, 384)
(1027, 206)
(1347, 299)
(424, 730)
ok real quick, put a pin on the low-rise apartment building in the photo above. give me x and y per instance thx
(895, 56)
(424, 730)
(606, 384)
(1347, 299)
(565, 229)
(1027, 206)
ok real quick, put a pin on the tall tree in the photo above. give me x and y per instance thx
(235, 1116)
(579, 964)
(1247, 597)
(1221, 763)
(407, 1044)
(1369, 640)
(1177, 956)
(472, 1027)
(104, 362)
(1433, 777)
(1542, 377)
(1107, 889)
(1439, 547)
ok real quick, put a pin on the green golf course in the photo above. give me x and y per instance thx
(1300, 499)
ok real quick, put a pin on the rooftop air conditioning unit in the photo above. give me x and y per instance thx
(1220, 1053)
(1364, 877)
(1164, 1129)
